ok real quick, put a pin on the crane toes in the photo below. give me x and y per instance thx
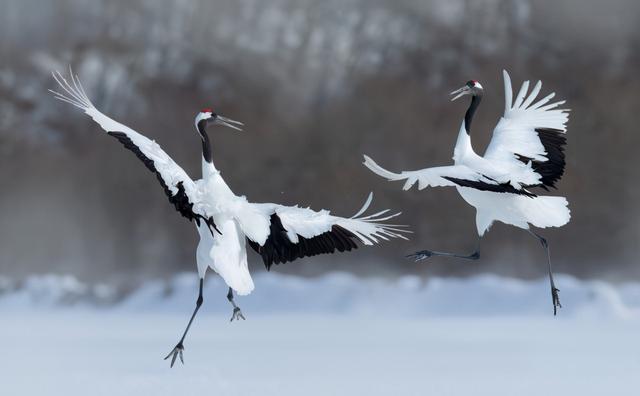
(237, 315)
(556, 300)
(176, 352)
(421, 255)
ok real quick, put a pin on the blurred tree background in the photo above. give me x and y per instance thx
(318, 84)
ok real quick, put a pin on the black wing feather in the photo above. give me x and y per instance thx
(179, 200)
(278, 249)
(499, 188)
(552, 169)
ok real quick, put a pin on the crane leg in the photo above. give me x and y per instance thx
(554, 290)
(179, 348)
(424, 254)
(237, 313)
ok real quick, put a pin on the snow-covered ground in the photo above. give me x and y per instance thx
(335, 335)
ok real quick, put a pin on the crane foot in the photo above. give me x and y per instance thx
(556, 300)
(421, 255)
(177, 351)
(237, 315)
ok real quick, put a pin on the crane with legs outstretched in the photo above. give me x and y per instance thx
(526, 152)
(226, 222)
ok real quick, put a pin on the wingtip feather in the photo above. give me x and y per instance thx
(508, 91)
(73, 92)
(364, 207)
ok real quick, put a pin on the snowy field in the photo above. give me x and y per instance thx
(335, 335)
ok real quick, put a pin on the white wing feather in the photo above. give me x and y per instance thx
(516, 133)
(428, 177)
(171, 173)
(309, 223)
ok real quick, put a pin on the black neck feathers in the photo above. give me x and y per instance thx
(468, 117)
(206, 143)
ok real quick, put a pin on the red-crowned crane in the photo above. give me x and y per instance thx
(526, 151)
(227, 222)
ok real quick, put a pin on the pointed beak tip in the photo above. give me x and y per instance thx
(458, 93)
(230, 123)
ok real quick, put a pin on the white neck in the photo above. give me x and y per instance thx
(463, 145)
(215, 186)
(208, 169)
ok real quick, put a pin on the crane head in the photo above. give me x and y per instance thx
(208, 116)
(472, 87)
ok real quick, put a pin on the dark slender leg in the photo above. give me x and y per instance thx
(554, 291)
(237, 313)
(177, 351)
(423, 254)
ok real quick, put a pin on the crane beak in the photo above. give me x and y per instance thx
(220, 120)
(459, 93)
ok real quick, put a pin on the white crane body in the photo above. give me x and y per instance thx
(226, 222)
(526, 151)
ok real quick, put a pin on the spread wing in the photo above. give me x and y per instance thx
(287, 233)
(177, 185)
(531, 131)
(440, 176)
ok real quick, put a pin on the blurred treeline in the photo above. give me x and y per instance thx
(317, 83)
